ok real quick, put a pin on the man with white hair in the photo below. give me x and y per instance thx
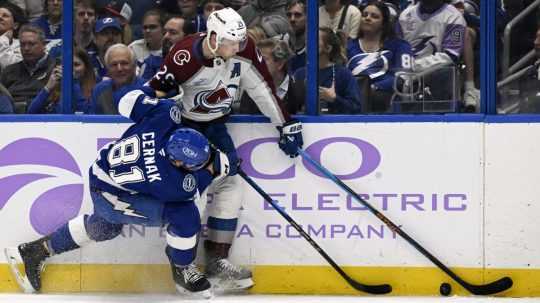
(121, 68)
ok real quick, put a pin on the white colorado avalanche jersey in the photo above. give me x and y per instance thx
(435, 38)
(210, 89)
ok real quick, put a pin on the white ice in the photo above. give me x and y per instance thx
(158, 298)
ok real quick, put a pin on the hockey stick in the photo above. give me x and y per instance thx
(372, 289)
(483, 289)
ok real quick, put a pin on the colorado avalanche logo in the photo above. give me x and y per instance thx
(52, 173)
(215, 101)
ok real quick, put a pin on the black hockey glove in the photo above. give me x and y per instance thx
(290, 137)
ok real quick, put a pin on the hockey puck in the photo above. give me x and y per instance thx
(445, 289)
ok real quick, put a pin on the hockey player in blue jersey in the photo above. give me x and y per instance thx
(151, 176)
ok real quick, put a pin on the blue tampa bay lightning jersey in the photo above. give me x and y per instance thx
(137, 164)
(380, 66)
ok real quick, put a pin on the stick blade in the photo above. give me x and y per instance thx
(370, 289)
(492, 288)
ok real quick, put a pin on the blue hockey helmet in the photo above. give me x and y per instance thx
(190, 147)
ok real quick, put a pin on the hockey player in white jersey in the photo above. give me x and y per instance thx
(210, 68)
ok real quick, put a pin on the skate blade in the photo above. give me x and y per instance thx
(199, 295)
(224, 285)
(15, 261)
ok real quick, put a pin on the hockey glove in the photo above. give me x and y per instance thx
(149, 91)
(290, 137)
(220, 165)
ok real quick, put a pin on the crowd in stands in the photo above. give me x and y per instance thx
(375, 56)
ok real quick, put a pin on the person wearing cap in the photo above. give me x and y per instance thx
(11, 17)
(122, 11)
(108, 31)
(121, 68)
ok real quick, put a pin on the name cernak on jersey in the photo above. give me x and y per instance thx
(149, 152)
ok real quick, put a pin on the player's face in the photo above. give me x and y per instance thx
(32, 48)
(173, 32)
(537, 44)
(227, 48)
(121, 67)
(297, 18)
(85, 18)
(372, 19)
(152, 31)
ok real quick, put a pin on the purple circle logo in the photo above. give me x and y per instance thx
(26, 162)
(371, 158)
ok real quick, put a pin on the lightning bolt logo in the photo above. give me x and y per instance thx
(121, 205)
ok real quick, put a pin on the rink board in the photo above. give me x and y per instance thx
(465, 191)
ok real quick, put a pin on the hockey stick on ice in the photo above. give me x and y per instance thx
(483, 289)
(372, 289)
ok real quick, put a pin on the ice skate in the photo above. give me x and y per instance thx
(191, 282)
(226, 276)
(32, 255)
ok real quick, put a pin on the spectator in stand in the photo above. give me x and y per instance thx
(33, 8)
(49, 99)
(253, 12)
(26, 78)
(84, 79)
(471, 95)
(276, 54)
(51, 21)
(122, 11)
(376, 55)
(296, 13)
(235, 4)
(173, 32)
(211, 5)
(108, 31)
(121, 67)
(85, 21)
(342, 17)
(153, 22)
(6, 101)
(338, 89)
(189, 10)
(436, 32)
(11, 18)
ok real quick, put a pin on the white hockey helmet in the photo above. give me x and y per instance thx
(227, 24)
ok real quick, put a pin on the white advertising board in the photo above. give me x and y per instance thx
(426, 177)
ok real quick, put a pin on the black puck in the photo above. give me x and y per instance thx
(445, 289)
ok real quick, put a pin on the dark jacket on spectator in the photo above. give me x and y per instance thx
(24, 82)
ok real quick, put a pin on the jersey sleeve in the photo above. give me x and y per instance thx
(258, 84)
(177, 67)
(136, 105)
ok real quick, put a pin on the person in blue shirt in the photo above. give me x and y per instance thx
(108, 31)
(338, 90)
(152, 175)
(377, 54)
(121, 67)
